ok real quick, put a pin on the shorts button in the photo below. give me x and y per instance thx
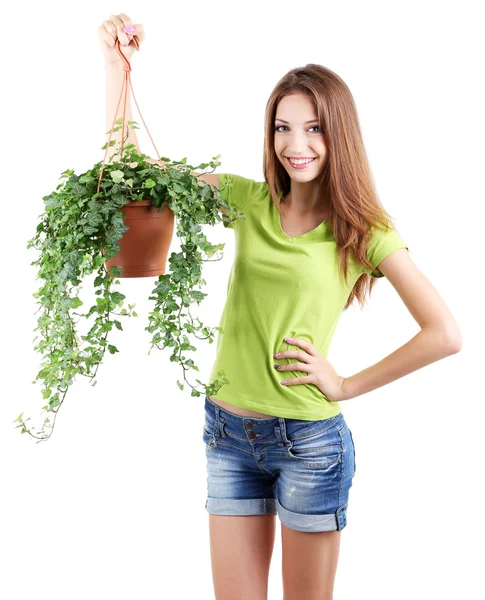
(249, 425)
(251, 435)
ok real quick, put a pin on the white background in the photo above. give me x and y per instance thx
(112, 506)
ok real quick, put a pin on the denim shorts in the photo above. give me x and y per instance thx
(300, 470)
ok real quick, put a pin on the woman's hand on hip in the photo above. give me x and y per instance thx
(319, 371)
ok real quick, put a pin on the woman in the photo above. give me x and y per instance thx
(314, 239)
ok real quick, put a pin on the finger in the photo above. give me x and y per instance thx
(298, 366)
(310, 348)
(298, 380)
(107, 33)
(127, 22)
(118, 23)
(139, 32)
(302, 356)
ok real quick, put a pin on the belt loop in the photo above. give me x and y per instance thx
(282, 431)
(220, 423)
(217, 425)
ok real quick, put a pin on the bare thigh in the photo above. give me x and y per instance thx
(309, 563)
(241, 548)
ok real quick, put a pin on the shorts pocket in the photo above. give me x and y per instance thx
(320, 448)
(207, 431)
(208, 437)
(316, 456)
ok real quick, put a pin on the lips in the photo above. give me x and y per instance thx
(302, 165)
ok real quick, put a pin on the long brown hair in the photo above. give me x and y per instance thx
(346, 179)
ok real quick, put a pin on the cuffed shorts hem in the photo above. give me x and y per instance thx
(269, 506)
(325, 522)
(235, 507)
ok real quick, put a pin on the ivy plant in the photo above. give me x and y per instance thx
(78, 232)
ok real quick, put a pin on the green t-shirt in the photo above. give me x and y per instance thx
(278, 287)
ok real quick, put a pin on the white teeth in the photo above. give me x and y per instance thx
(301, 161)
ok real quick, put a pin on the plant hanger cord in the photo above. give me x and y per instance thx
(124, 88)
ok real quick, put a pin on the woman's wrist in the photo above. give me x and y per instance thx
(114, 65)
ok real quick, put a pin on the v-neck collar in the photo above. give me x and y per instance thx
(314, 234)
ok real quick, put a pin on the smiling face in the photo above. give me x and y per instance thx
(297, 135)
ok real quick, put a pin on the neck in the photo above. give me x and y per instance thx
(302, 199)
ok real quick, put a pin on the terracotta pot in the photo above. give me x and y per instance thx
(144, 247)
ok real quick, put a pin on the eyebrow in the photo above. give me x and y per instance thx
(306, 122)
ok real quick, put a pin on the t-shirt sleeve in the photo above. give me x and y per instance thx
(381, 244)
(237, 191)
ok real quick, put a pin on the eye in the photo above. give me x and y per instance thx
(277, 128)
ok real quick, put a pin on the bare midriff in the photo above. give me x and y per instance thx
(242, 412)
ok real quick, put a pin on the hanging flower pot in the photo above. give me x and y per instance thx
(121, 226)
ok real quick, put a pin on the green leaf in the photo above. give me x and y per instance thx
(117, 297)
(117, 176)
(111, 143)
(76, 302)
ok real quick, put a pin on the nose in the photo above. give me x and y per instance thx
(297, 144)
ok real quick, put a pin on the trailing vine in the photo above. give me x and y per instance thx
(78, 233)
